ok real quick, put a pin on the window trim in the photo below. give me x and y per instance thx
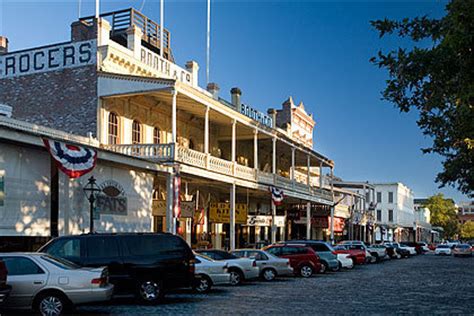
(117, 126)
(140, 132)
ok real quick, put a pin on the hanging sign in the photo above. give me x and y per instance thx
(158, 208)
(176, 199)
(187, 208)
(75, 161)
(220, 213)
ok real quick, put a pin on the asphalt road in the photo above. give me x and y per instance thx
(422, 284)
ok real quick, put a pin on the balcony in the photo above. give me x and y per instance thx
(175, 153)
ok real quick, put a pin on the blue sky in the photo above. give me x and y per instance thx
(318, 52)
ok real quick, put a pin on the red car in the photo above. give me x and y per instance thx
(357, 252)
(4, 288)
(303, 260)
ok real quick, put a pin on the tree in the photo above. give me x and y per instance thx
(467, 230)
(443, 214)
(436, 78)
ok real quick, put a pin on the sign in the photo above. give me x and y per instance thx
(187, 209)
(165, 67)
(259, 220)
(112, 199)
(158, 208)
(320, 222)
(339, 224)
(49, 58)
(256, 115)
(220, 213)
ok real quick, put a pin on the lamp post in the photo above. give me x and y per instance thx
(91, 188)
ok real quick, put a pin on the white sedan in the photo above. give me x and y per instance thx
(345, 261)
(412, 250)
(443, 250)
(270, 266)
(210, 272)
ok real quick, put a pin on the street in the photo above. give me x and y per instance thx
(422, 284)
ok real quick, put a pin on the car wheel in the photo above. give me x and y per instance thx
(51, 304)
(324, 268)
(203, 285)
(269, 274)
(150, 291)
(337, 268)
(306, 271)
(236, 277)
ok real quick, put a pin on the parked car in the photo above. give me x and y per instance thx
(142, 264)
(5, 289)
(379, 252)
(443, 249)
(356, 251)
(324, 250)
(345, 261)
(240, 269)
(270, 266)
(424, 246)
(401, 251)
(303, 260)
(411, 250)
(417, 246)
(209, 273)
(432, 246)
(462, 250)
(391, 251)
(51, 285)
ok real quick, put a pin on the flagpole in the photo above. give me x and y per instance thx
(97, 9)
(79, 9)
(162, 25)
(208, 44)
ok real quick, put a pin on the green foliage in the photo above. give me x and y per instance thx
(467, 230)
(436, 78)
(443, 214)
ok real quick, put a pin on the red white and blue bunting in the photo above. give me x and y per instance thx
(277, 196)
(73, 160)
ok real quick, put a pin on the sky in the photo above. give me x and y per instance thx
(315, 51)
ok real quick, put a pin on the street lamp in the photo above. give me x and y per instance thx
(91, 188)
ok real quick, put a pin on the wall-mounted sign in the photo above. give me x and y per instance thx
(256, 115)
(112, 199)
(220, 213)
(259, 220)
(158, 208)
(49, 58)
(165, 67)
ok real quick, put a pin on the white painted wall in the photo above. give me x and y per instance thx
(402, 206)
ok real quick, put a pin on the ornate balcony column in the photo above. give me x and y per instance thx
(206, 135)
(255, 149)
(232, 217)
(308, 220)
(293, 154)
(174, 94)
(234, 132)
(308, 166)
(274, 159)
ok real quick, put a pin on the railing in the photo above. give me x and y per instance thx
(244, 172)
(284, 182)
(191, 157)
(301, 177)
(265, 177)
(159, 152)
(220, 165)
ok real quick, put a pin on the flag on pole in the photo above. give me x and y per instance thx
(73, 160)
(177, 202)
(277, 196)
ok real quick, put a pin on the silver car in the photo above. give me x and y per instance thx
(269, 265)
(210, 272)
(50, 285)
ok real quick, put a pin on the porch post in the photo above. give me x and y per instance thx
(308, 166)
(293, 151)
(234, 125)
(206, 135)
(255, 149)
(169, 203)
(273, 228)
(232, 217)
(174, 93)
(321, 175)
(332, 207)
(308, 220)
(274, 159)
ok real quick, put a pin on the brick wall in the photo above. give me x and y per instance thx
(64, 99)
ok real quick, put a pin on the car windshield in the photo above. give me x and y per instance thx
(60, 263)
(462, 246)
(443, 246)
(202, 256)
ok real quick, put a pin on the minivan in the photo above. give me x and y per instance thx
(143, 264)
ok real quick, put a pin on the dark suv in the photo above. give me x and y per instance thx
(143, 264)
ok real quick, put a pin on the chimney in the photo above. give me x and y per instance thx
(193, 68)
(273, 114)
(236, 93)
(3, 45)
(213, 88)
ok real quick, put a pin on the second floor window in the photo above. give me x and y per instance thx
(156, 136)
(390, 215)
(390, 197)
(136, 132)
(379, 215)
(379, 197)
(113, 128)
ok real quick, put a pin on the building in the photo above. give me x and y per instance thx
(394, 212)
(466, 212)
(424, 231)
(187, 160)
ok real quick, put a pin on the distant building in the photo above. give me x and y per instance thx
(424, 230)
(466, 212)
(394, 212)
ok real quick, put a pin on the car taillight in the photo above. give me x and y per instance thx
(254, 263)
(99, 281)
(334, 253)
(192, 266)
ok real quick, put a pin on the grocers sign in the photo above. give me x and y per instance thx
(220, 213)
(112, 199)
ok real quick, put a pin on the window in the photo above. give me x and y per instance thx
(154, 245)
(390, 215)
(136, 132)
(379, 197)
(319, 247)
(156, 136)
(113, 128)
(21, 266)
(102, 247)
(390, 197)
(66, 248)
(259, 256)
(276, 251)
(379, 215)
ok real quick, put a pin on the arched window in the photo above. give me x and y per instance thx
(156, 136)
(136, 132)
(113, 128)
